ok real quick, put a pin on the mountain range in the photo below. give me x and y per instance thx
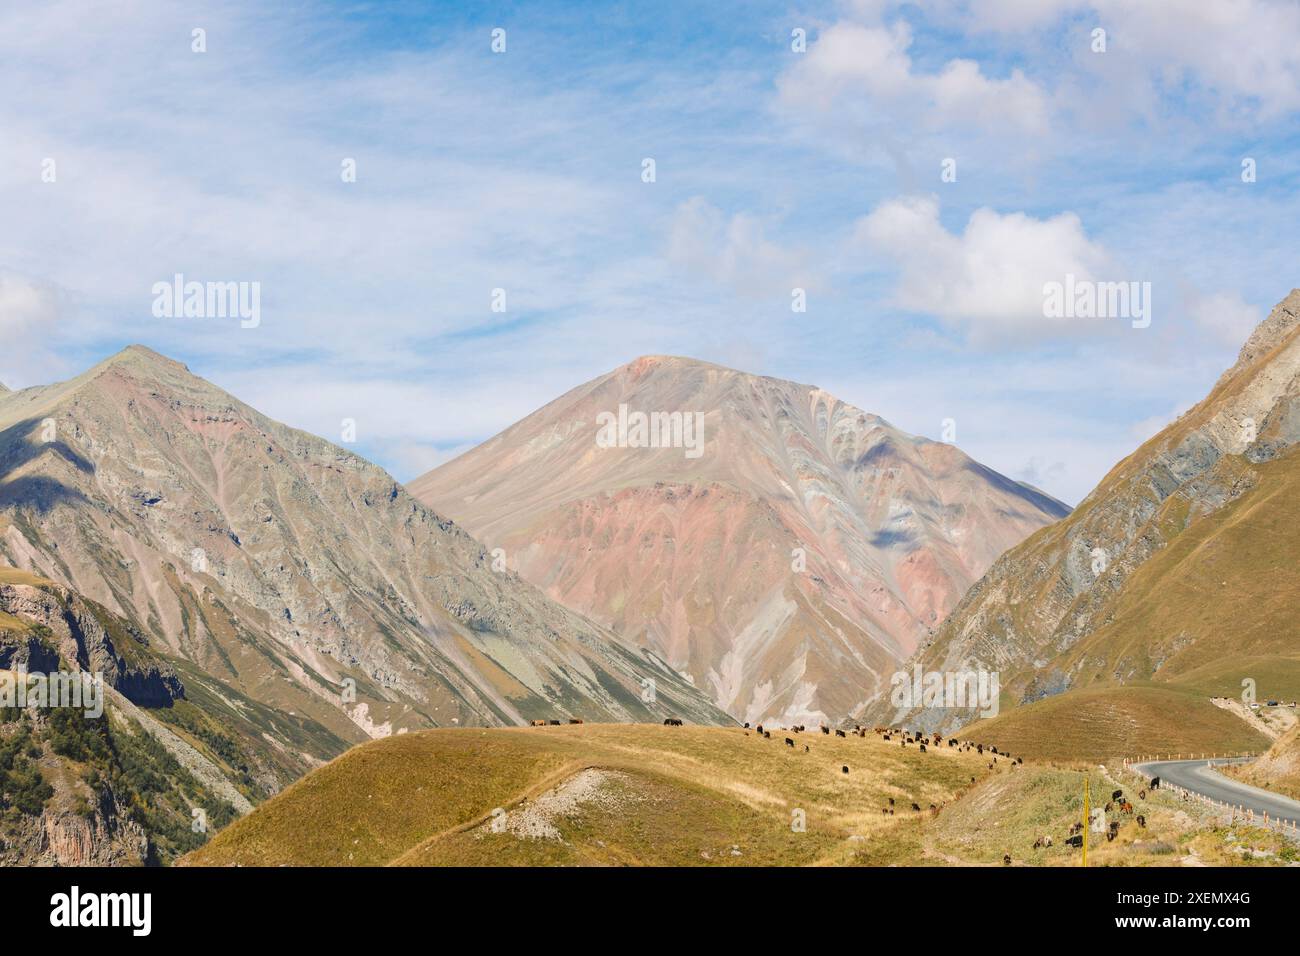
(278, 569)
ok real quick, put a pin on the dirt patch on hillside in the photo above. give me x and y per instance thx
(538, 819)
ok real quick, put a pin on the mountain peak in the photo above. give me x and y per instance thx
(142, 357)
(1280, 323)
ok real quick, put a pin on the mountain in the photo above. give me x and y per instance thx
(783, 549)
(1181, 570)
(292, 583)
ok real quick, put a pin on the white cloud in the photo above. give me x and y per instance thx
(868, 70)
(734, 252)
(1226, 316)
(1244, 51)
(989, 277)
(30, 314)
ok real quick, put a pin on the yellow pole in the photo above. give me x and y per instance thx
(1087, 821)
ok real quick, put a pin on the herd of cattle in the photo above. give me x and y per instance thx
(1118, 803)
(922, 741)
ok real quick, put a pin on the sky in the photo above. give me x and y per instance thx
(921, 171)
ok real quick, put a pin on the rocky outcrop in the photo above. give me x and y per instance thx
(82, 634)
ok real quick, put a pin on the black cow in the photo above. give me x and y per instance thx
(789, 742)
(1155, 783)
(844, 769)
(1117, 795)
(839, 733)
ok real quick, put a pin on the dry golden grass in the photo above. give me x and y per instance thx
(1107, 722)
(687, 795)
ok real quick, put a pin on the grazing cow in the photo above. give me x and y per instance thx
(1117, 795)
(1075, 841)
(922, 748)
(1076, 828)
(539, 723)
(1020, 760)
(891, 801)
(979, 749)
(789, 742)
(1006, 859)
(1142, 821)
(1108, 806)
(575, 720)
(759, 728)
(1126, 807)
(839, 733)
(844, 769)
(672, 722)
(555, 723)
(767, 735)
(825, 729)
(805, 749)
(1155, 783)
(916, 807)
(746, 725)
(887, 737)
(1142, 794)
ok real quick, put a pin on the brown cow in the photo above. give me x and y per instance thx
(539, 723)
(575, 720)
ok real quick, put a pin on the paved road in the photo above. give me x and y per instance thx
(1199, 776)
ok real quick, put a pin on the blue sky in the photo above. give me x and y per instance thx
(775, 169)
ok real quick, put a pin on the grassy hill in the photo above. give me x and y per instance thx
(1110, 722)
(698, 796)
(663, 795)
